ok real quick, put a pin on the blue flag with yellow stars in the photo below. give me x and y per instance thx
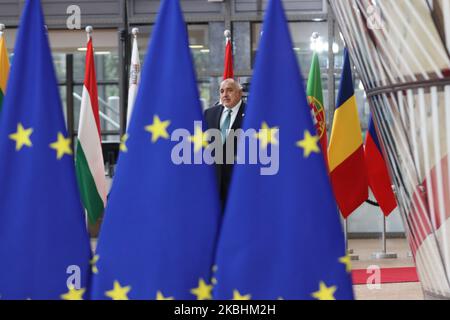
(44, 245)
(158, 235)
(281, 236)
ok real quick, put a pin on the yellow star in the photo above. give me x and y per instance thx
(267, 135)
(309, 144)
(347, 261)
(203, 291)
(160, 296)
(118, 292)
(62, 146)
(21, 137)
(123, 143)
(93, 263)
(238, 296)
(158, 128)
(199, 139)
(73, 294)
(325, 293)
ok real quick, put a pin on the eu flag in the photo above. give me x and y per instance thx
(281, 236)
(158, 235)
(44, 245)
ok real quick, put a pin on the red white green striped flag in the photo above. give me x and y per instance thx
(89, 158)
(4, 68)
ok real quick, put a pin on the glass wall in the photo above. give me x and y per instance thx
(200, 49)
(304, 45)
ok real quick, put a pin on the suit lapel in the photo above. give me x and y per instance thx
(217, 117)
(238, 121)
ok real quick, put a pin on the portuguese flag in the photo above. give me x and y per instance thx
(4, 68)
(315, 100)
(89, 158)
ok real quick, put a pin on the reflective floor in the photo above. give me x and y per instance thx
(364, 248)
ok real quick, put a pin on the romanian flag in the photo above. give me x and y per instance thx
(228, 63)
(345, 153)
(4, 68)
(315, 101)
(377, 172)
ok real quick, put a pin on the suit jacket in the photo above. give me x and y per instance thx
(224, 171)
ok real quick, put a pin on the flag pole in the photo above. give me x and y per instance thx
(384, 254)
(347, 250)
(134, 75)
(135, 32)
(228, 61)
(89, 30)
(227, 34)
(314, 40)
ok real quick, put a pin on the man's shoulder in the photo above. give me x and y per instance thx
(213, 109)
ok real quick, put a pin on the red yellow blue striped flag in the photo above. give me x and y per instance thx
(4, 68)
(345, 152)
(377, 171)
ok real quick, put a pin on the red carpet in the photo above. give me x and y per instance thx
(388, 275)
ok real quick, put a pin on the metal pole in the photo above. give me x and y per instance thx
(123, 77)
(347, 250)
(384, 254)
(69, 97)
(383, 235)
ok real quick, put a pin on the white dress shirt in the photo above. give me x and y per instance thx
(234, 113)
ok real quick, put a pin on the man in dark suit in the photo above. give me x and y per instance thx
(225, 117)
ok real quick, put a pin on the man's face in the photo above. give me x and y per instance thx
(230, 94)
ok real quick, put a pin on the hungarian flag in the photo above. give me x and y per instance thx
(315, 101)
(377, 172)
(228, 63)
(345, 153)
(4, 68)
(89, 158)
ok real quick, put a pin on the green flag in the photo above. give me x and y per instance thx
(315, 100)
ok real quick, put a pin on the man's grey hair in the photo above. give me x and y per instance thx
(236, 83)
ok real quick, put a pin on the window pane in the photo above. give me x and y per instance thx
(108, 101)
(198, 41)
(62, 93)
(204, 88)
(59, 61)
(301, 34)
(106, 66)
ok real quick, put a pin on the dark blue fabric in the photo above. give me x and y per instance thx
(346, 90)
(42, 224)
(281, 235)
(161, 221)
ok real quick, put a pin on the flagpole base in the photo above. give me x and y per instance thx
(383, 255)
(354, 257)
